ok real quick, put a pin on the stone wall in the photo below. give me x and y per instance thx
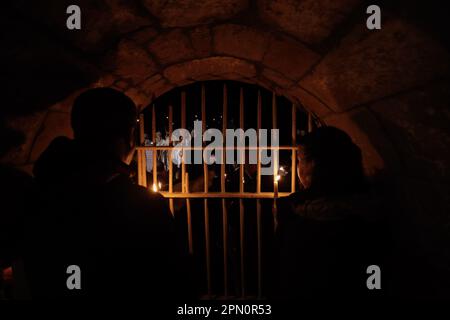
(388, 89)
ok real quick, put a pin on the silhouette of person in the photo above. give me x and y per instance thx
(329, 232)
(90, 213)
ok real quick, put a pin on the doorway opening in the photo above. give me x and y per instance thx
(227, 211)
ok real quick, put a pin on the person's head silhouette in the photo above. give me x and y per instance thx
(330, 162)
(104, 120)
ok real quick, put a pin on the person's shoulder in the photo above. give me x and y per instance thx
(286, 207)
(140, 206)
(137, 195)
(290, 201)
(128, 186)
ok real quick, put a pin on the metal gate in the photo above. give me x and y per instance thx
(223, 194)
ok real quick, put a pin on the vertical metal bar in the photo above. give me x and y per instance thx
(205, 201)
(241, 190)
(140, 168)
(224, 128)
(169, 159)
(183, 125)
(139, 153)
(258, 202)
(205, 166)
(310, 122)
(142, 164)
(185, 176)
(276, 152)
(294, 142)
(144, 169)
(275, 160)
(259, 235)
(189, 215)
(208, 247)
(141, 129)
(259, 123)
(241, 152)
(155, 152)
(222, 189)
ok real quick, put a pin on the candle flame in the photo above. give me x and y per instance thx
(277, 178)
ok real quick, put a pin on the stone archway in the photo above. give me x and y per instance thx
(145, 68)
(388, 89)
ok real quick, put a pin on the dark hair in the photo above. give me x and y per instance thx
(338, 161)
(102, 115)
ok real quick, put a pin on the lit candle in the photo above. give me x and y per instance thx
(275, 185)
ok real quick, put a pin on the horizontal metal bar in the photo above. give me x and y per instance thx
(223, 195)
(218, 148)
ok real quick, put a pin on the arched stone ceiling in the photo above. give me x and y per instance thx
(146, 48)
(389, 88)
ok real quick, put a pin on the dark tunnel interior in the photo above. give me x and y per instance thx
(388, 89)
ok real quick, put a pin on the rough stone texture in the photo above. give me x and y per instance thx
(65, 105)
(102, 21)
(399, 111)
(378, 153)
(418, 123)
(232, 76)
(143, 36)
(267, 84)
(131, 62)
(310, 102)
(140, 98)
(403, 132)
(104, 80)
(196, 69)
(125, 16)
(183, 13)
(28, 126)
(172, 47)
(368, 65)
(121, 85)
(27, 168)
(55, 124)
(277, 78)
(201, 41)
(289, 57)
(37, 72)
(309, 20)
(240, 41)
(155, 86)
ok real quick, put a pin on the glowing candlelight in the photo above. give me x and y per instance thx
(275, 185)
